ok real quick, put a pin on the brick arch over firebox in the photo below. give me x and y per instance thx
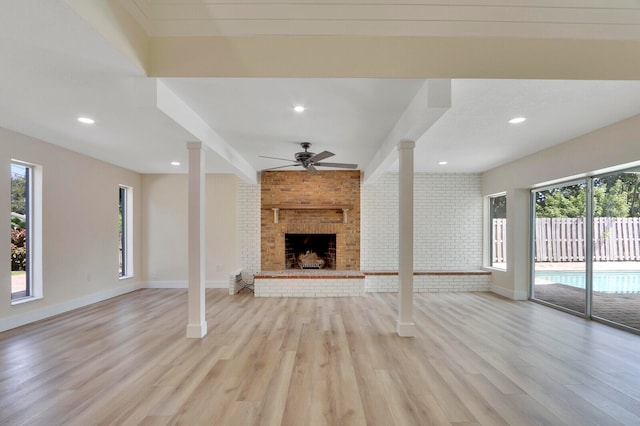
(326, 203)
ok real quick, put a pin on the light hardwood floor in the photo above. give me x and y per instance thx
(477, 359)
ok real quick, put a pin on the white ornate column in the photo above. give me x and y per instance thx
(197, 325)
(405, 326)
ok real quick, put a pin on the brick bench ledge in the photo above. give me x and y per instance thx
(311, 274)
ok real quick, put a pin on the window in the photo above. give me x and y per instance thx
(26, 264)
(125, 240)
(498, 231)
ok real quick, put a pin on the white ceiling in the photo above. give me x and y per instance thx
(56, 67)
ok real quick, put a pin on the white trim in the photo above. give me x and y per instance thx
(493, 269)
(487, 233)
(60, 308)
(22, 300)
(183, 284)
(37, 277)
(34, 215)
(128, 232)
(510, 294)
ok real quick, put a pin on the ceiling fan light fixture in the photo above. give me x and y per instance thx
(310, 160)
(299, 109)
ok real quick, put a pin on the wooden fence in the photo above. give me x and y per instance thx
(562, 239)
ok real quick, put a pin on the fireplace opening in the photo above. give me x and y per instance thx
(310, 251)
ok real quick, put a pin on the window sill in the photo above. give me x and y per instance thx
(25, 300)
(126, 277)
(494, 269)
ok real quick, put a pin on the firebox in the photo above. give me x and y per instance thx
(310, 251)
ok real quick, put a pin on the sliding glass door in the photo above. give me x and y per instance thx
(616, 249)
(559, 258)
(586, 247)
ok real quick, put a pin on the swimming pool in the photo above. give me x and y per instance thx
(606, 282)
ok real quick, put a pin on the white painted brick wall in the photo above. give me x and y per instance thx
(248, 211)
(381, 284)
(300, 287)
(447, 224)
(429, 283)
(379, 224)
(451, 283)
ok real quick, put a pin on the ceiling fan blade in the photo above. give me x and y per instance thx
(321, 156)
(338, 165)
(280, 167)
(277, 158)
(312, 169)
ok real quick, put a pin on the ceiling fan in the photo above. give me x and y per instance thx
(309, 160)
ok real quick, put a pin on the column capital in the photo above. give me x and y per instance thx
(406, 145)
(194, 145)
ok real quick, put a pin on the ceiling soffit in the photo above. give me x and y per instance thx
(374, 39)
(594, 19)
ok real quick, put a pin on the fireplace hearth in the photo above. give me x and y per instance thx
(310, 251)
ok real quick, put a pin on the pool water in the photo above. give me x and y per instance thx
(606, 282)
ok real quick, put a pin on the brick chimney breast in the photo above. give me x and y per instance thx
(310, 204)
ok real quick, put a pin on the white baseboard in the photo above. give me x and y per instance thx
(217, 284)
(60, 308)
(510, 294)
(183, 284)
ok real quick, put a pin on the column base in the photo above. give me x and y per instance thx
(197, 331)
(405, 329)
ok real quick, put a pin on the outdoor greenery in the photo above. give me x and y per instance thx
(18, 194)
(613, 196)
(498, 206)
(18, 249)
(18, 225)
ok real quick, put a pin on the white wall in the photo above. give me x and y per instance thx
(447, 223)
(79, 229)
(249, 225)
(602, 149)
(164, 230)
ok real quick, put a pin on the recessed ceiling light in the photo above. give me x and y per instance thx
(86, 120)
(175, 163)
(298, 108)
(442, 163)
(517, 120)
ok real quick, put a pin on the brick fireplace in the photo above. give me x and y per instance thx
(305, 205)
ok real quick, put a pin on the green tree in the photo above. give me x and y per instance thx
(18, 194)
(610, 199)
(559, 204)
(630, 182)
(498, 206)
